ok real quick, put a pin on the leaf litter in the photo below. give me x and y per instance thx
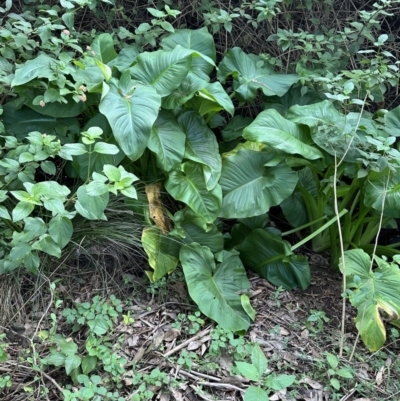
(160, 336)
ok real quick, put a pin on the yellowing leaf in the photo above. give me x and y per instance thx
(153, 192)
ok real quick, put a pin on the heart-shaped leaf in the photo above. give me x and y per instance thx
(162, 250)
(248, 78)
(167, 141)
(250, 188)
(187, 185)
(193, 228)
(103, 48)
(216, 288)
(131, 109)
(199, 40)
(201, 146)
(163, 70)
(373, 292)
(271, 257)
(382, 187)
(271, 128)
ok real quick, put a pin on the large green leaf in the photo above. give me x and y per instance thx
(315, 114)
(131, 109)
(162, 250)
(126, 57)
(91, 207)
(41, 66)
(294, 96)
(20, 122)
(271, 128)
(248, 78)
(250, 188)
(392, 122)
(91, 76)
(61, 229)
(373, 292)
(383, 186)
(199, 40)
(271, 257)
(60, 110)
(294, 209)
(103, 48)
(193, 228)
(72, 362)
(215, 92)
(339, 135)
(186, 90)
(187, 185)
(201, 146)
(234, 129)
(167, 141)
(164, 70)
(216, 288)
(48, 245)
(211, 100)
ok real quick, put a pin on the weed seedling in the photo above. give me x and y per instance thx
(256, 371)
(316, 321)
(335, 372)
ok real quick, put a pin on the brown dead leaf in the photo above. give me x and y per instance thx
(153, 192)
(313, 395)
(304, 334)
(283, 331)
(203, 349)
(139, 354)
(127, 381)
(270, 344)
(290, 357)
(165, 397)
(235, 380)
(133, 340)
(280, 395)
(180, 288)
(363, 373)
(225, 362)
(379, 376)
(193, 345)
(312, 383)
(256, 292)
(177, 395)
(158, 338)
(171, 334)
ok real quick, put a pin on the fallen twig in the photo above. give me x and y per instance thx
(187, 342)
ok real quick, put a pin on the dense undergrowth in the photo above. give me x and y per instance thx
(200, 124)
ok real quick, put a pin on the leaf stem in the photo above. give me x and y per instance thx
(322, 228)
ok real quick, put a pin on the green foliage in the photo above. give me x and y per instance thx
(96, 366)
(256, 372)
(373, 292)
(3, 345)
(112, 112)
(216, 288)
(316, 321)
(5, 381)
(37, 216)
(335, 372)
(99, 317)
(98, 314)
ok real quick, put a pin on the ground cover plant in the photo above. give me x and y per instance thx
(205, 149)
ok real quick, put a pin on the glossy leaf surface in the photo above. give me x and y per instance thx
(215, 287)
(271, 257)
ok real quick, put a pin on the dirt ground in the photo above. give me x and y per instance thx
(293, 342)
